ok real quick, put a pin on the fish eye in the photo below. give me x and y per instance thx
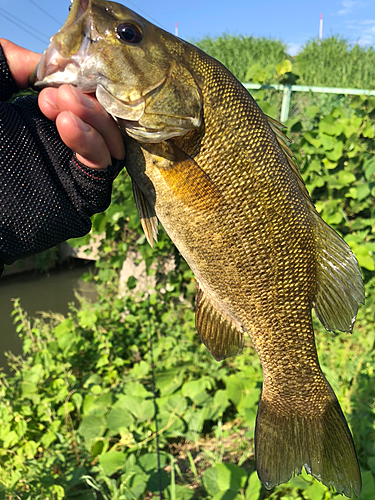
(129, 33)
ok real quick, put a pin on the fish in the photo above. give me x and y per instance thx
(220, 177)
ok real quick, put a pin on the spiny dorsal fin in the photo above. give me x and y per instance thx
(339, 282)
(149, 221)
(220, 333)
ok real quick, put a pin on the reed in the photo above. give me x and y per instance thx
(331, 62)
(334, 62)
(240, 53)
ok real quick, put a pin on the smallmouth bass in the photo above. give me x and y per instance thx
(218, 174)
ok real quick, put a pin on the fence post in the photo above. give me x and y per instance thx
(286, 103)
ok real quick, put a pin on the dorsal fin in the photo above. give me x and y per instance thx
(220, 333)
(339, 282)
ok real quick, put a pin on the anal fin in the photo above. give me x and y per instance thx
(149, 221)
(220, 333)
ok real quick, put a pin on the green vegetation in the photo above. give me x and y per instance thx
(248, 58)
(333, 62)
(77, 410)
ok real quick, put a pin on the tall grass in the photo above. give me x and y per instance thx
(240, 53)
(332, 62)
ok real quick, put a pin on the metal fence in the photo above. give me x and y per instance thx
(287, 91)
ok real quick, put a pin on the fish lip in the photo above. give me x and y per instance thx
(51, 69)
(51, 63)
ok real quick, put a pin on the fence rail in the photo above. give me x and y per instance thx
(288, 89)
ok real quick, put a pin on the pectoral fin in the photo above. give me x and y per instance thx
(185, 179)
(220, 333)
(147, 215)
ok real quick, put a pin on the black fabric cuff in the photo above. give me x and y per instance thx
(93, 186)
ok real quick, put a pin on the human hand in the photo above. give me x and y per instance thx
(83, 124)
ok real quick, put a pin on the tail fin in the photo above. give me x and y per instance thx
(322, 444)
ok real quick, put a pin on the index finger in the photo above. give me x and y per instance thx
(67, 98)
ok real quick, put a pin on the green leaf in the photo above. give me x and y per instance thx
(153, 482)
(118, 419)
(112, 462)
(30, 448)
(312, 111)
(195, 390)
(149, 461)
(363, 191)
(48, 438)
(65, 334)
(316, 491)
(365, 258)
(135, 484)
(369, 168)
(368, 131)
(227, 495)
(253, 488)
(87, 318)
(34, 375)
(328, 125)
(219, 405)
(328, 142)
(91, 427)
(10, 439)
(178, 492)
(58, 492)
(169, 381)
(93, 379)
(230, 477)
(368, 486)
(284, 67)
(234, 389)
(336, 152)
(210, 481)
(97, 448)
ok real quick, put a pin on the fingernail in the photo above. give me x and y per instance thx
(49, 96)
(83, 99)
(77, 121)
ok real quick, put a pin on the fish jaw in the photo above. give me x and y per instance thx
(54, 70)
(137, 85)
(68, 59)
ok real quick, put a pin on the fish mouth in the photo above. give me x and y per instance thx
(54, 70)
(65, 62)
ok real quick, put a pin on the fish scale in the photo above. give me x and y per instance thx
(220, 177)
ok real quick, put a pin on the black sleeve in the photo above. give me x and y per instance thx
(46, 194)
